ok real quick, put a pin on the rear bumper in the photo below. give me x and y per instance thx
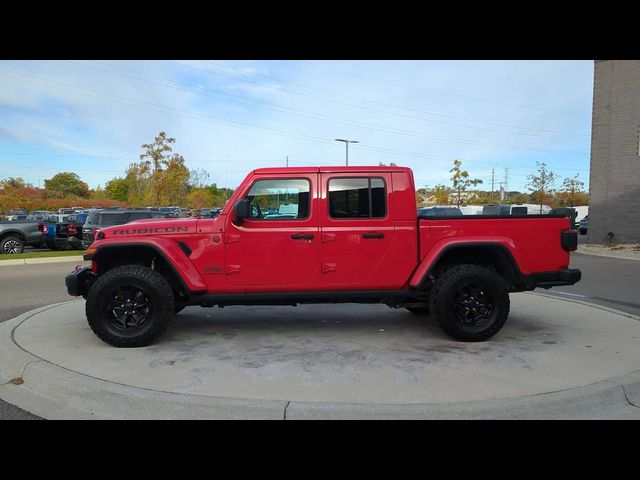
(79, 281)
(568, 276)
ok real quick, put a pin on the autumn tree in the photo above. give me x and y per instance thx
(12, 182)
(64, 184)
(167, 174)
(441, 194)
(541, 184)
(461, 181)
(572, 192)
(118, 189)
(199, 198)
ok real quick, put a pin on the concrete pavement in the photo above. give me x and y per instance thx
(553, 359)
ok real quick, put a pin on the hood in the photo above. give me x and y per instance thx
(152, 227)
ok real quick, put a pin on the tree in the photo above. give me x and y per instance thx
(118, 189)
(572, 192)
(198, 178)
(168, 176)
(461, 181)
(199, 198)
(441, 194)
(541, 185)
(66, 183)
(12, 182)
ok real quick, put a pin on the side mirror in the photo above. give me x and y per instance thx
(242, 209)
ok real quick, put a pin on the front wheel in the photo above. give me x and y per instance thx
(130, 306)
(470, 302)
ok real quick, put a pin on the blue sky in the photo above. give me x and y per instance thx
(229, 117)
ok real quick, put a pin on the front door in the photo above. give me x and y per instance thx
(277, 247)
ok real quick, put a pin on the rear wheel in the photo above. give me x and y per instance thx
(130, 306)
(470, 302)
(11, 244)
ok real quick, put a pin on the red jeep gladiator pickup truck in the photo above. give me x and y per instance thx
(321, 235)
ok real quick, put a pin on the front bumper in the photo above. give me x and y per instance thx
(79, 281)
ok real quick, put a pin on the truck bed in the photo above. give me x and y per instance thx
(534, 241)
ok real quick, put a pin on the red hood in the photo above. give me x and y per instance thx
(153, 227)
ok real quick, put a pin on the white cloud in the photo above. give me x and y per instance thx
(535, 95)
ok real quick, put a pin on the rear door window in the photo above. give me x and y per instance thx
(357, 198)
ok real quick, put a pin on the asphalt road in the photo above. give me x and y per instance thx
(610, 282)
(605, 281)
(25, 287)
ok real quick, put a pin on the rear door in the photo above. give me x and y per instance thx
(357, 231)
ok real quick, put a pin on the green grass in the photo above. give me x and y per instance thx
(62, 253)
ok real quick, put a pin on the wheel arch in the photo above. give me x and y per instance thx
(13, 231)
(490, 254)
(182, 275)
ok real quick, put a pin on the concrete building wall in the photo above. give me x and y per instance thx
(614, 184)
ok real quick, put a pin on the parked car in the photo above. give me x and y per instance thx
(439, 211)
(355, 238)
(38, 215)
(68, 234)
(584, 225)
(496, 210)
(15, 235)
(49, 227)
(529, 209)
(98, 219)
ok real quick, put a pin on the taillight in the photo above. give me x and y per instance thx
(44, 228)
(569, 240)
(72, 229)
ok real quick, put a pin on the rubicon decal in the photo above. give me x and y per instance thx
(139, 231)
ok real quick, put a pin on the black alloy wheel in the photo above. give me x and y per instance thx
(128, 308)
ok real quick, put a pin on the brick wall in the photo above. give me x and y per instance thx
(614, 184)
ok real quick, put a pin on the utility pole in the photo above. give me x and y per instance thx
(506, 182)
(492, 180)
(347, 142)
(287, 160)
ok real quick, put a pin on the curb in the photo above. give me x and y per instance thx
(608, 255)
(54, 392)
(37, 261)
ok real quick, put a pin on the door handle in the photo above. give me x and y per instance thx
(302, 236)
(372, 235)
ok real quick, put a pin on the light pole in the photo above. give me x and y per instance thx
(347, 142)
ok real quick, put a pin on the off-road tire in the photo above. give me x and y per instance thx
(11, 242)
(155, 287)
(445, 290)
